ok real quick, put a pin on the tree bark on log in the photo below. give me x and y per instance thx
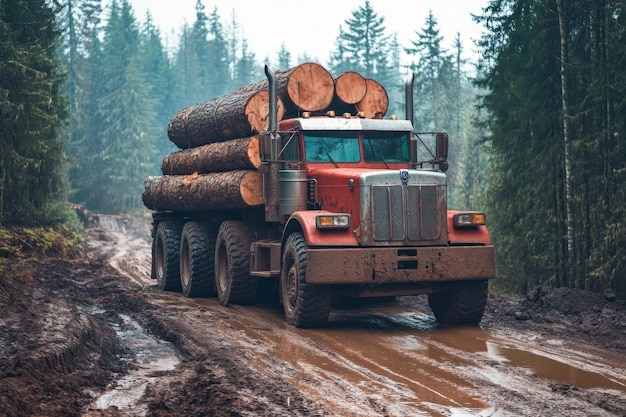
(305, 87)
(227, 117)
(230, 155)
(199, 192)
(376, 101)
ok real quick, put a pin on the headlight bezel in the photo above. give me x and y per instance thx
(469, 219)
(333, 221)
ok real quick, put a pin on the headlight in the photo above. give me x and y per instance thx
(332, 221)
(469, 219)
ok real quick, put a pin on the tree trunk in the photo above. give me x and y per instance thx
(376, 101)
(236, 115)
(306, 87)
(567, 150)
(230, 155)
(199, 192)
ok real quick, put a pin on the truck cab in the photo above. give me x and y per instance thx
(363, 214)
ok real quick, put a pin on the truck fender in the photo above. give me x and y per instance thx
(304, 221)
(473, 236)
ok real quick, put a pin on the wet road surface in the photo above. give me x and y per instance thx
(389, 359)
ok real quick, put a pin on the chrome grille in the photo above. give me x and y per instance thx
(405, 212)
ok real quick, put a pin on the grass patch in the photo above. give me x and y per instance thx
(18, 244)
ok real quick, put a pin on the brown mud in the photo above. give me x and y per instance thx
(94, 337)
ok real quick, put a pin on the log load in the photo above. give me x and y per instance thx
(236, 115)
(199, 192)
(230, 155)
(376, 101)
(305, 87)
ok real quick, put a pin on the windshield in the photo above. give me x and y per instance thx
(340, 147)
(386, 146)
(344, 146)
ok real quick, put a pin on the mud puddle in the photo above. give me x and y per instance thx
(148, 357)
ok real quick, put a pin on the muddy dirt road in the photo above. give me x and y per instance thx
(93, 336)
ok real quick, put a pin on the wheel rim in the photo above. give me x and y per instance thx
(185, 267)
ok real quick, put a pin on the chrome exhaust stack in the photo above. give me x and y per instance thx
(269, 146)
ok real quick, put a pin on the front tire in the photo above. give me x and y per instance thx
(166, 257)
(232, 264)
(462, 302)
(305, 305)
(197, 254)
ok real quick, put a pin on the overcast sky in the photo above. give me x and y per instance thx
(312, 27)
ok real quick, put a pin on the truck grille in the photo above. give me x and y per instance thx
(402, 213)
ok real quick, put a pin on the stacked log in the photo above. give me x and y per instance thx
(200, 192)
(217, 166)
(306, 87)
(230, 155)
(227, 117)
(376, 101)
(350, 88)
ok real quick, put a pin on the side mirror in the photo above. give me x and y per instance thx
(442, 146)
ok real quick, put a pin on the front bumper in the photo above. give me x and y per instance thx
(391, 265)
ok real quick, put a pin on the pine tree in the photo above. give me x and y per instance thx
(284, 57)
(526, 199)
(440, 87)
(433, 78)
(247, 70)
(363, 46)
(32, 113)
(555, 75)
(157, 69)
(80, 21)
(126, 109)
(217, 63)
(469, 153)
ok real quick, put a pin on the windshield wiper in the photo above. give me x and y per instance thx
(377, 155)
(331, 159)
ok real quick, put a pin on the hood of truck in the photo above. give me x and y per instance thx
(389, 207)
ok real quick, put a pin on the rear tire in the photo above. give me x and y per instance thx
(166, 256)
(233, 282)
(305, 305)
(462, 302)
(197, 254)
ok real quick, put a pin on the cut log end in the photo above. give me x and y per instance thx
(311, 87)
(253, 152)
(257, 111)
(251, 188)
(376, 101)
(350, 87)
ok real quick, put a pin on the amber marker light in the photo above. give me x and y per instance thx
(469, 219)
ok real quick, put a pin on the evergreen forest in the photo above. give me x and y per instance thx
(535, 123)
